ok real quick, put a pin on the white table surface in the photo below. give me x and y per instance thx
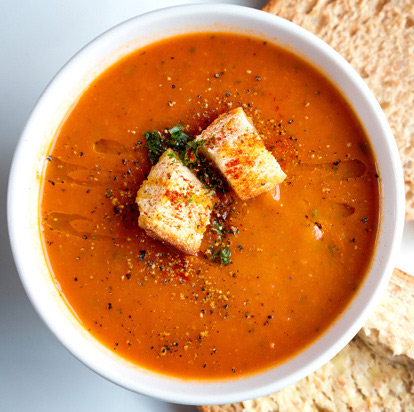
(36, 372)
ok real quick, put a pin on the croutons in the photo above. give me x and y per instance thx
(174, 206)
(234, 145)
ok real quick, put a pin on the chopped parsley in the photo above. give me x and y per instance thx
(177, 139)
(217, 227)
(174, 138)
(221, 255)
(219, 248)
(224, 255)
(156, 145)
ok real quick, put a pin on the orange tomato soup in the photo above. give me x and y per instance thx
(298, 255)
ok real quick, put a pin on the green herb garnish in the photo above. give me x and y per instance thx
(219, 247)
(155, 144)
(190, 199)
(217, 226)
(332, 249)
(177, 139)
(190, 156)
(315, 213)
(222, 255)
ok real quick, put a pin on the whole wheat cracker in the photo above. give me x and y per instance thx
(365, 375)
(377, 39)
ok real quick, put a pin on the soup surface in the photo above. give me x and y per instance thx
(298, 255)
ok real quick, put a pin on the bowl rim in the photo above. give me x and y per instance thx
(209, 397)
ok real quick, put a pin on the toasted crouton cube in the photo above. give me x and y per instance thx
(234, 145)
(174, 206)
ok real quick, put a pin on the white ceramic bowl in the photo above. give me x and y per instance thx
(50, 111)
